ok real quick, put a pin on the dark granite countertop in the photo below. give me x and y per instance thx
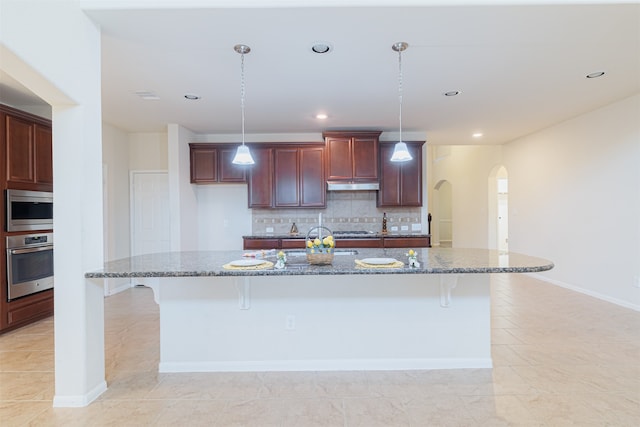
(432, 261)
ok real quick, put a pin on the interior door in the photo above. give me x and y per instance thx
(150, 213)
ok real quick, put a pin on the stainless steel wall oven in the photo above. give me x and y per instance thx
(29, 264)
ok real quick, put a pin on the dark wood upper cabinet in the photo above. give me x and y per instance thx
(400, 183)
(352, 156)
(43, 155)
(20, 150)
(261, 178)
(227, 171)
(299, 177)
(312, 182)
(204, 164)
(286, 182)
(28, 148)
(211, 163)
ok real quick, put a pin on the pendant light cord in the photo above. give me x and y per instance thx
(242, 92)
(400, 89)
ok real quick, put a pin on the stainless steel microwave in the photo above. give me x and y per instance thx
(28, 210)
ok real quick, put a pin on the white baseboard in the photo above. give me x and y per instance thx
(326, 365)
(597, 295)
(80, 401)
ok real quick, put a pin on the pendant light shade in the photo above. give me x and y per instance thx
(243, 155)
(400, 151)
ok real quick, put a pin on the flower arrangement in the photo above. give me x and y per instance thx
(316, 245)
(281, 259)
(413, 259)
(320, 249)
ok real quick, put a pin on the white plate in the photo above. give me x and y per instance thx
(379, 261)
(246, 262)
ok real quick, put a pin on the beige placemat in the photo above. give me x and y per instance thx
(263, 266)
(397, 264)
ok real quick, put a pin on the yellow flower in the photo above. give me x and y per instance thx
(326, 241)
(280, 254)
(309, 243)
(316, 242)
(331, 243)
(411, 252)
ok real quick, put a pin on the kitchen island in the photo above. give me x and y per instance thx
(331, 317)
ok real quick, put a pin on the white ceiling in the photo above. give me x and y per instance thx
(520, 68)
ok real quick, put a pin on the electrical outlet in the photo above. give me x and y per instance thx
(290, 322)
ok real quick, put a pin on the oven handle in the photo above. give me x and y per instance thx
(29, 250)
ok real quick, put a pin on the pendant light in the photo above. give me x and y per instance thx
(400, 151)
(243, 155)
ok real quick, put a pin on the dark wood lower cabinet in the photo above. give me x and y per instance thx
(375, 242)
(26, 310)
(359, 243)
(407, 242)
(261, 244)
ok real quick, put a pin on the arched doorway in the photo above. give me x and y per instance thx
(443, 212)
(498, 209)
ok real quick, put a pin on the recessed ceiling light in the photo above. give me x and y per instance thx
(453, 93)
(192, 96)
(321, 47)
(147, 95)
(477, 135)
(321, 116)
(595, 75)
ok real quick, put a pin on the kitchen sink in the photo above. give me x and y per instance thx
(336, 252)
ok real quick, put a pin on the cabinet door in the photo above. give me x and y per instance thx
(261, 243)
(389, 193)
(261, 178)
(365, 158)
(227, 171)
(407, 242)
(411, 178)
(400, 183)
(292, 243)
(339, 159)
(43, 155)
(312, 183)
(359, 243)
(204, 165)
(286, 193)
(19, 150)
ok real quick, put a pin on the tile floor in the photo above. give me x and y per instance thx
(561, 359)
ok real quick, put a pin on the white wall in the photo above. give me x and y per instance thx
(467, 169)
(115, 158)
(182, 196)
(223, 216)
(574, 198)
(148, 151)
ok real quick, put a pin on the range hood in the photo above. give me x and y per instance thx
(352, 186)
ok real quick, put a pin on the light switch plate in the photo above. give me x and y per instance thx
(416, 227)
(404, 228)
(269, 229)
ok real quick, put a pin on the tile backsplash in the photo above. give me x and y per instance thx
(345, 211)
